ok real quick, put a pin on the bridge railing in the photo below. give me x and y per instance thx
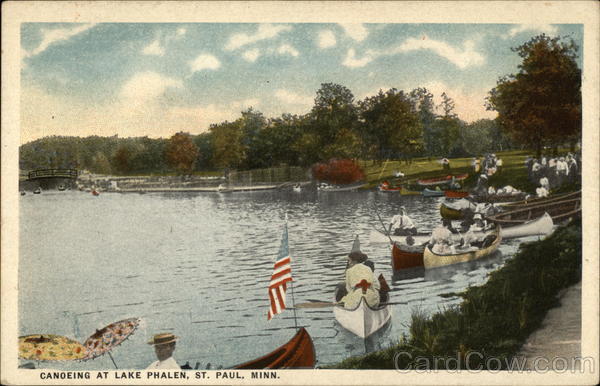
(45, 173)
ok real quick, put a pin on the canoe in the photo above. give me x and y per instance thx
(388, 189)
(298, 353)
(37, 191)
(455, 193)
(363, 320)
(541, 200)
(502, 198)
(341, 188)
(558, 211)
(432, 193)
(441, 180)
(408, 192)
(379, 237)
(541, 226)
(432, 260)
(455, 210)
(406, 257)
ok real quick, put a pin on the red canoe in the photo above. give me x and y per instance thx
(402, 259)
(298, 353)
(442, 180)
(455, 194)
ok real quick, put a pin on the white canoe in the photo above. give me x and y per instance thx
(541, 226)
(363, 320)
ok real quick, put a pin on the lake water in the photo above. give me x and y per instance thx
(198, 265)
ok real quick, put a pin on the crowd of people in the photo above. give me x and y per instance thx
(550, 173)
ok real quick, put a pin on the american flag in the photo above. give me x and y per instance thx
(282, 273)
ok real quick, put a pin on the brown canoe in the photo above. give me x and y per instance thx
(404, 259)
(455, 194)
(558, 211)
(298, 353)
(541, 200)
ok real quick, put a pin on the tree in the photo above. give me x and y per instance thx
(334, 112)
(181, 152)
(252, 123)
(541, 104)
(391, 124)
(228, 150)
(422, 99)
(123, 159)
(448, 129)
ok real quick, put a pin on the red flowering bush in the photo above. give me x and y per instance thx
(342, 171)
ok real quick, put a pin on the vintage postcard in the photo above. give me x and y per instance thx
(300, 192)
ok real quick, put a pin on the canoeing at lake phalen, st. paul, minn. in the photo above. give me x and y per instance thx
(221, 196)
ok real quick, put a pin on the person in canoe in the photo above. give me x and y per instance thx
(164, 345)
(402, 225)
(441, 240)
(360, 282)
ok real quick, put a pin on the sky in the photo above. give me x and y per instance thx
(150, 79)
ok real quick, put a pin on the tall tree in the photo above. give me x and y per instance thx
(228, 150)
(333, 113)
(391, 124)
(541, 104)
(422, 99)
(181, 152)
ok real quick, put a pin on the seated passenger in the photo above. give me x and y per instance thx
(402, 225)
(360, 282)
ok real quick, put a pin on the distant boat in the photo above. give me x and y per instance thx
(456, 193)
(22, 193)
(61, 187)
(340, 188)
(37, 191)
(95, 192)
(442, 180)
(297, 188)
(432, 193)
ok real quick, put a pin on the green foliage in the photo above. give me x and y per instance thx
(391, 125)
(181, 152)
(496, 318)
(541, 105)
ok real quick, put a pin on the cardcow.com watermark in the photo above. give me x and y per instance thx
(492, 364)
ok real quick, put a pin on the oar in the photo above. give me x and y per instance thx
(387, 232)
(331, 304)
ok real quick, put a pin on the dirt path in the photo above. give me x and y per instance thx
(559, 336)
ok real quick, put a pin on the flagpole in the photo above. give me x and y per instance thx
(291, 282)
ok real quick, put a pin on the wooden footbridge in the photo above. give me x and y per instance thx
(51, 173)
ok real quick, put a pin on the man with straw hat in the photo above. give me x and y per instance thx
(164, 345)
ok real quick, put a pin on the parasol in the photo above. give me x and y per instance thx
(48, 347)
(104, 340)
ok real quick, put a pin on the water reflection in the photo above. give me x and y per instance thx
(199, 265)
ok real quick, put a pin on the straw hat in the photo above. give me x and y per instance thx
(163, 338)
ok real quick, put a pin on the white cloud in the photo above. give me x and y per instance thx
(251, 55)
(204, 62)
(326, 39)
(469, 106)
(287, 49)
(356, 31)
(293, 98)
(43, 114)
(154, 48)
(54, 36)
(264, 31)
(146, 87)
(462, 58)
(545, 28)
(352, 61)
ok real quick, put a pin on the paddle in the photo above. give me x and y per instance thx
(387, 232)
(331, 304)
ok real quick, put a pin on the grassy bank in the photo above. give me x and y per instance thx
(513, 173)
(494, 319)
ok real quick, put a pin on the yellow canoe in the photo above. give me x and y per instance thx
(432, 260)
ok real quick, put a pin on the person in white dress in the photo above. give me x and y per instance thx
(164, 345)
(402, 225)
(360, 282)
(441, 240)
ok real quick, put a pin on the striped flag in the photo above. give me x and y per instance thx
(282, 273)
